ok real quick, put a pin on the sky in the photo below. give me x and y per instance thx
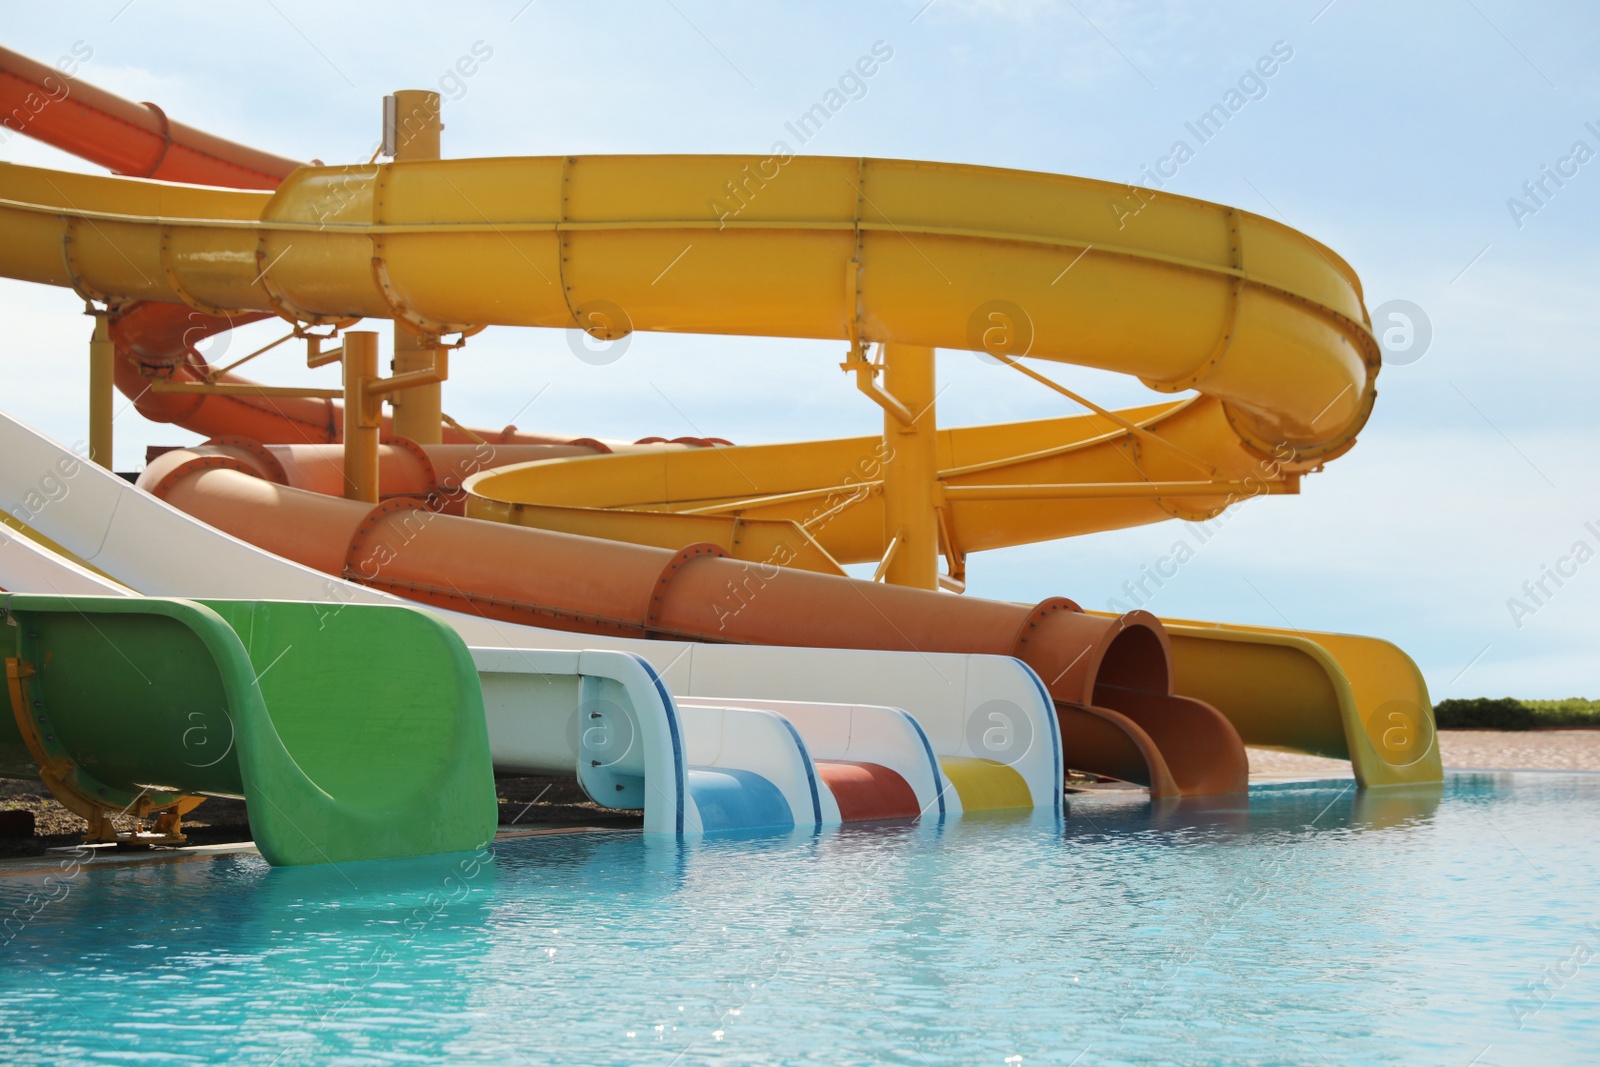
(1401, 135)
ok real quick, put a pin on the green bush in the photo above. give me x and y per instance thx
(1508, 713)
(1573, 711)
(1482, 713)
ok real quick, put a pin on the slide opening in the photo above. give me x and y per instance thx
(868, 792)
(730, 798)
(1136, 658)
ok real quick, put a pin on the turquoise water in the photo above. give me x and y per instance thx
(1308, 926)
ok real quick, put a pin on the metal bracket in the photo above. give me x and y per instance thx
(1131, 428)
(866, 372)
(316, 355)
(955, 556)
(888, 555)
(61, 775)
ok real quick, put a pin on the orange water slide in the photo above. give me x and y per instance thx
(156, 342)
(126, 138)
(1109, 677)
(434, 475)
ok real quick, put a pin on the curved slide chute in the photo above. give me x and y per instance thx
(434, 474)
(28, 566)
(1193, 296)
(1329, 694)
(157, 341)
(819, 504)
(145, 705)
(126, 138)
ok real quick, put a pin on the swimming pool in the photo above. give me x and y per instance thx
(1310, 925)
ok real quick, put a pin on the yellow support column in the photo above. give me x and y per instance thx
(910, 471)
(363, 416)
(416, 410)
(102, 369)
(416, 125)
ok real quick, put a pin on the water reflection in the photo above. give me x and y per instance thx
(228, 956)
(1390, 925)
(1275, 810)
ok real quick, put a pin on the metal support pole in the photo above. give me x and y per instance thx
(417, 410)
(911, 470)
(102, 370)
(363, 416)
(414, 125)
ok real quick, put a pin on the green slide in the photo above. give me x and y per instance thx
(352, 732)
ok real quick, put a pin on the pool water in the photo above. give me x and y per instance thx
(1310, 925)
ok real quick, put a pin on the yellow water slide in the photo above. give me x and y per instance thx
(1184, 295)
(1264, 325)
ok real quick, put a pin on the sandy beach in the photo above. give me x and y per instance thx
(1531, 750)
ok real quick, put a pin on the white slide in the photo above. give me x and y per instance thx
(860, 735)
(28, 567)
(157, 550)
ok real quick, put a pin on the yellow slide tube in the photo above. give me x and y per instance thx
(1186, 294)
(1335, 695)
(819, 504)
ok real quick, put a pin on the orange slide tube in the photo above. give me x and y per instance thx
(435, 474)
(124, 137)
(1110, 677)
(156, 342)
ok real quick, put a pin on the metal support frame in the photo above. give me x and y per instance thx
(919, 524)
(418, 413)
(364, 391)
(242, 360)
(866, 372)
(888, 557)
(467, 431)
(102, 374)
(316, 356)
(911, 488)
(363, 416)
(956, 580)
(1131, 427)
(65, 781)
